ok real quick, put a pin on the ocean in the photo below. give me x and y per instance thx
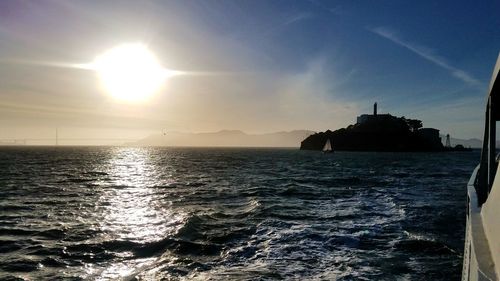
(108, 213)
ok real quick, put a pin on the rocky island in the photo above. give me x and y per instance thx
(378, 132)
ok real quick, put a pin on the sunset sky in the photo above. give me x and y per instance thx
(256, 66)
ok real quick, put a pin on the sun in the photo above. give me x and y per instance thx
(130, 72)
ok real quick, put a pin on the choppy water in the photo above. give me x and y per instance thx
(231, 214)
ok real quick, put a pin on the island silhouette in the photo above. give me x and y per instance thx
(380, 132)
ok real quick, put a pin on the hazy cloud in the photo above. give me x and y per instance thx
(425, 53)
(309, 97)
(335, 10)
(298, 17)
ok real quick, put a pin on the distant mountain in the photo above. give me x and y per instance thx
(473, 143)
(226, 138)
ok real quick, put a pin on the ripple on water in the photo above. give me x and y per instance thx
(230, 214)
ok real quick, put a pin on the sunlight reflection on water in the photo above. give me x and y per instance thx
(131, 209)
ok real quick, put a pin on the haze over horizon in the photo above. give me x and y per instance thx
(255, 66)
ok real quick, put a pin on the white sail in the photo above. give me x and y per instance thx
(328, 146)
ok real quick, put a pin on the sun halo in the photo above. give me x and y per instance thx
(130, 72)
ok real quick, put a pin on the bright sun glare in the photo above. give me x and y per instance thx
(130, 72)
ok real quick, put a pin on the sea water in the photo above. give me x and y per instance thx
(107, 213)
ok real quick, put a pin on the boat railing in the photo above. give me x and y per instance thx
(482, 239)
(488, 164)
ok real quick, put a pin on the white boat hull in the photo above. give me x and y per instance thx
(478, 260)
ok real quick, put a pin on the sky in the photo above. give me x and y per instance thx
(251, 65)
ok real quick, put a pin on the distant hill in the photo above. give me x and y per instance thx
(473, 143)
(223, 138)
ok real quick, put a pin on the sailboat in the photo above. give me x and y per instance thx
(328, 146)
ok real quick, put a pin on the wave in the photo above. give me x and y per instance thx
(19, 265)
(424, 247)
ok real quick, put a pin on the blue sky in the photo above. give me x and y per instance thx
(263, 65)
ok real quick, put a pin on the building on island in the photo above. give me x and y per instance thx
(427, 136)
(366, 118)
(430, 136)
